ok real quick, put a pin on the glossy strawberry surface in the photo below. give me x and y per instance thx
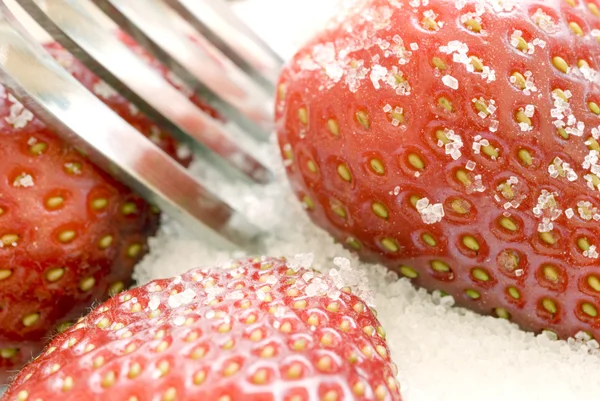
(262, 329)
(457, 143)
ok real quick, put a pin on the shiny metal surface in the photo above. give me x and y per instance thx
(170, 39)
(72, 24)
(53, 95)
(214, 20)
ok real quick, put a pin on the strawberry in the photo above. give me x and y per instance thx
(457, 143)
(262, 329)
(69, 233)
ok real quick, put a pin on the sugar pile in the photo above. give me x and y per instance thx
(443, 353)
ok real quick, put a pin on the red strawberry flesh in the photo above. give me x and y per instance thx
(255, 331)
(457, 143)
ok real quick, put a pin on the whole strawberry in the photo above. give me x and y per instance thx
(263, 329)
(457, 142)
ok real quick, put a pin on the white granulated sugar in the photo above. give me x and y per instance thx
(443, 353)
(450, 81)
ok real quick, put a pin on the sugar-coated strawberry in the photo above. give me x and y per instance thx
(457, 142)
(262, 329)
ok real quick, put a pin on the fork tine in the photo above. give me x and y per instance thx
(215, 20)
(78, 116)
(163, 33)
(96, 47)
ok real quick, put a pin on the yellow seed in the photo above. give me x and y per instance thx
(99, 203)
(549, 305)
(476, 63)
(363, 118)
(268, 352)
(66, 236)
(339, 210)
(9, 239)
(129, 208)
(593, 106)
(134, 250)
(561, 94)
(103, 323)
(472, 294)
(463, 177)
(481, 107)
(162, 346)
(509, 224)
(548, 238)
(521, 117)
(38, 148)
(576, 28)
(353, 243)
(54, 202)
(414, 199)
(260, 377)
(5, 273)
(572, 3)
(563, 133)
(303, 115)
(301, 304)
(560, 64)
(324, 363)
(398, 116)
(116, 288)
(294, 371)
(550, 273)
(30, 320)
(299, 344)
(23, 395)
(522, 44)
(359, 389)
(377, 166)
(445, 104)
(473, 25)
(105, 242)
(87, 284)
(380, 210)
(480, 274)
(416, 161)
(163, 368)
(8, 353)
(73, 168)
(231, 369)
(429, 239)
(344, 172)
(308, 202)
(460, 206)
(439, 63)
(593, 144)
(281, 91)
(589, 309)
(440, 135)
(333, 126)
(256, 335)
(502, 313)
(409, 272)
(594, 283)
(109, 379)
(170, 394)
(583, 63)
(327, 339)
(333, 307)
(594, 9)
(369, 330)
(199, 378)
(390, 244)
(359, 307)
(525, 157)
(514, 292)
(440, 266)
(198, 353)
(134, 370)
(471, 243)
(430, 24)
(312, 167)
(519, 80)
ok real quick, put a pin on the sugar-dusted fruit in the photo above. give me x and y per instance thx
(262, 329)
(457, 142)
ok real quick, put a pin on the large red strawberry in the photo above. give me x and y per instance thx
(69, 234)
(457, 142)
(263, 329)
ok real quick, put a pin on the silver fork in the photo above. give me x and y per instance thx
(237, 80)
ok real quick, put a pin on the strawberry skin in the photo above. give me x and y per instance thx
(457, 143)
(262, 329)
